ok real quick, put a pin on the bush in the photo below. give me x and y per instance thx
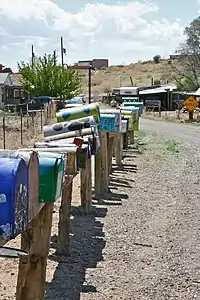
(157, 58)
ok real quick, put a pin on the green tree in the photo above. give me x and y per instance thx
(157, 58)
(47, 78)
(187, 67)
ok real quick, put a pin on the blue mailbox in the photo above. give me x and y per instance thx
(13, 197)
(107, 122)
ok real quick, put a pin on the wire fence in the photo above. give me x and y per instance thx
(17, 131)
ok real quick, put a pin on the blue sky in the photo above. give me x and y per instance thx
(122, 31)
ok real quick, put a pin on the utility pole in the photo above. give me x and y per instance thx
(61, 46)
(54, 57)
(63, 51)
(89, 83)
(32, 56)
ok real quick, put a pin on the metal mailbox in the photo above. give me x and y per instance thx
(52, 169)
(79, 112)
(32, 162)
(13, 197)
(124, 126)
(65, 127)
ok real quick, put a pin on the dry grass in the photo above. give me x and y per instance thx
(170, 116)
(142, 72)
(31, 130)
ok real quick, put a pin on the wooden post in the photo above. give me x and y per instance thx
(131, 135)
(104, 163)
(36, 241)
(64, 217)
(97, 172)
(125, 140)
(110, 152)
(191, 115)
(118, 149)
(179, 107)
(159, 109)
(86, 187)
(71, 164)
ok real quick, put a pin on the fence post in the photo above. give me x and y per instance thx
(41, 117)
(21, 127)
(33, 124)
(4, 133)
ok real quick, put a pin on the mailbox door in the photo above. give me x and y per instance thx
(59, 175)
(21, 199)
(6, 197)
(47, 188)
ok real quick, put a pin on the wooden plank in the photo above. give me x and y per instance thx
(36, 241)
(104, 163)
(125, 140)
(110, 152)
(131, 136)
(97, 171)
(71, 164)
(64, 217)
(86, 187)
(118, 149)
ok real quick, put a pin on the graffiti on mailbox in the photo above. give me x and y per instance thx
(21, 218)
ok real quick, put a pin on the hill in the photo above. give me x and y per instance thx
(142, 73)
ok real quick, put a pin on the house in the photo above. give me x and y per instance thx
(15, 94)
(5, 81)
(163, 93)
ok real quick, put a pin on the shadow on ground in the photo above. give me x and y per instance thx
(86, 245)
(87, 241)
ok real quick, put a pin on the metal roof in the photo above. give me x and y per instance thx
(161, 89)
(3, 77)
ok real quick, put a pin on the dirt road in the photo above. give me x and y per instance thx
(151, 235)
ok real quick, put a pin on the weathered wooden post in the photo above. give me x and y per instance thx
(104, 163)
(64, 217)
(36, 241)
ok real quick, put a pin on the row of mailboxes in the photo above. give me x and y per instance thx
(27, 179)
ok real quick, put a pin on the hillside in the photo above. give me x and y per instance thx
(141, 72)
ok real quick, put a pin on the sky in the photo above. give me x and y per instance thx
(123, 31)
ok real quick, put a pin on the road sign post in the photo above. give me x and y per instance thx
(191, 103)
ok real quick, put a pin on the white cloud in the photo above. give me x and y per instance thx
(121, 32)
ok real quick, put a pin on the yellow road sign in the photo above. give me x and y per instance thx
(191, 103)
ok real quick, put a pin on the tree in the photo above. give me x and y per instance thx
(187, 67)
(157, 58)
(47, 78)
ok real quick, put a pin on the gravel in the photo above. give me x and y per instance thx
(142, 241)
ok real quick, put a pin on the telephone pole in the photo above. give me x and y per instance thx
(54, 57)
(62, 51)
(32, 56)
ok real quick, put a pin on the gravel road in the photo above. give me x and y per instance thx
(151, 235)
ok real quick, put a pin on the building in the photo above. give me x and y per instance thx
(15, 94)
(163, 93)
(5, 81)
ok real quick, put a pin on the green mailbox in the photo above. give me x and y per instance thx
(51, 176)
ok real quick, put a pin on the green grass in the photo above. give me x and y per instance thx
(141, 141)
(172, 146)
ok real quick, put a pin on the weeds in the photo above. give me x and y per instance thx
(141, 141)
(172, 146)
